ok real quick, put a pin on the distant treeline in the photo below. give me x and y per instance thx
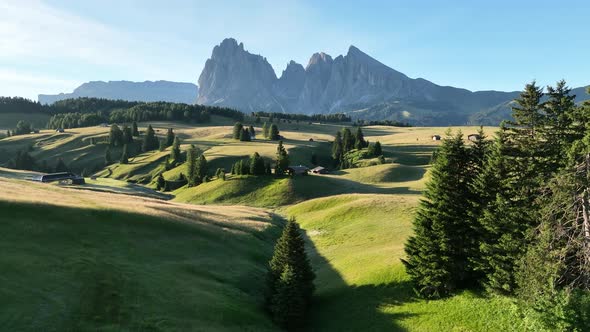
(337, 117)
(85, 112)
(21, 105)
(391, 123)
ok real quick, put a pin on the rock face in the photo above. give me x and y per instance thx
(132, 91)
(354, 83)
(235, 78)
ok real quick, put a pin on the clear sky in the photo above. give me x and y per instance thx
(51, 46)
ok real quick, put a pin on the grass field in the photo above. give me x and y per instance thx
(356, 222)
(80, 260)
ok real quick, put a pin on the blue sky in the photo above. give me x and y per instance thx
(51, 46)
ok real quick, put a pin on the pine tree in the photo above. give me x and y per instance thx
(175, 152)
(288, 306)
(337, 151)
(252, 132)
(290, 277)
(238, 128)
(559, 130)
(359, 139)
(437, 254)
(265, 130)
(124, 157)
(170, 136)
(256, 164)
(127, 135)
(245, 135)
(347, 141)
(160, 183)
(282, 160)
(191, 166)
(201, 169)
(135, 131)
(273, 132)
(374, 150)
(313, 159)
(150, 141)
(115, 136)
(523, 167)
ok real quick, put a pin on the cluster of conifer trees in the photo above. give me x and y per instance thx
(242, 133)
(348, 147)
(256, 165)
(85, 112)
(335, 118)
(512, 214)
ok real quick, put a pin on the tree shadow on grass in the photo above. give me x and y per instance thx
(338, 306)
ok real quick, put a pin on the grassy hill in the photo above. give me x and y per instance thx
(80, 260)
(356, 222)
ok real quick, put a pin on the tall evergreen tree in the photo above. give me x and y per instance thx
(135, 131)
(160, 182)
(191, 166)
(175, 152)
(245, 135)
(256, 164)
(127, 135)
(238, 128)
(290, 278)
(116, 136)
(359, 139)
(170, 136)
(124, 156)
(252, 132)
(201, 169)
(150, 141)
(273, 132)
(347, 140)
(337, 150)
(559, 130)
(282, 160)
(265, 130)
(512, 213)
(437, 253)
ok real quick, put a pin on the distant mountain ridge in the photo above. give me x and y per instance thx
(354, 83)
(147, 91)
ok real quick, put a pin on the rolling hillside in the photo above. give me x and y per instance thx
(82, 260)
(356, 222)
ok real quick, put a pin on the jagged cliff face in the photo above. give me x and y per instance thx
(235, 78)
(354, 83)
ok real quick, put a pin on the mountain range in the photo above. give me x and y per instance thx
(354, 83)
(131, 91)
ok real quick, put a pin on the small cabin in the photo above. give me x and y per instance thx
(297, 170)
(59, 130)
(474, 137)
(65, 177)
(319, 170)
(436, 137)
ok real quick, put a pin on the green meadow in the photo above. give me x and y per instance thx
(195, 258)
